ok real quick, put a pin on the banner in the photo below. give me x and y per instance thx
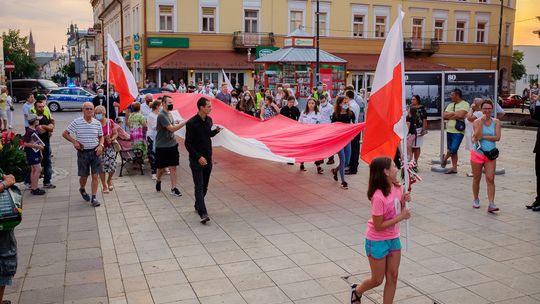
(429, 87)
(472, 84)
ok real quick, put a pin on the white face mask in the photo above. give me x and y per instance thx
(248, 97)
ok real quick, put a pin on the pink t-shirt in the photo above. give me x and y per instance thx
(381, 205)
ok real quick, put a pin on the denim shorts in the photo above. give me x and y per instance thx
(453, 141)
(380, 249)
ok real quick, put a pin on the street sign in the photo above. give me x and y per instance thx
(136, 37)
(137, 47)
(9, 66)
(137, 56)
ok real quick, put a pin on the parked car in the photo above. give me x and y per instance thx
(512, 101)
(68, 98)
(23, 87)
(154, 91)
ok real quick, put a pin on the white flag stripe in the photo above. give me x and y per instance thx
(114, 55)
(227, 81)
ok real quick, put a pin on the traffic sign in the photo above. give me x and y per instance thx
(137, 47)
(137, 56)
(9, 66)
(136, 37)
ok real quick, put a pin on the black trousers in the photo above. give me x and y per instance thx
(537, 170)
(201, 178)
(355, 154)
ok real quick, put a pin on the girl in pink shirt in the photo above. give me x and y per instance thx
(383, 247)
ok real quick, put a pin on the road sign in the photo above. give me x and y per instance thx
(136, 37)
(9, 66)
(137, 56)
(137, 47)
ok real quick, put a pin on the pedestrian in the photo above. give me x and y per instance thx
(8, 247)
(259, 98)
(33, 148)
(3, 109)
(343, 114)
(115, 112)
(486, 132)
(311, 116)
(10, 110)
(224, 94)
(290, 110)
(151, 136)
(247, 104)
(234, 99)
(30, 99)
(269, 109)
(182, 86)
(418, 116)
(280, 98)
(382, 244)
(45, 130)
(325, 92)
(137, 124)
(108, 157)
(356, 106)
(86, 135)
(455, 113)
(535, 115)
(167, 154)
(326, 109)
(199, 145)
(145, 105)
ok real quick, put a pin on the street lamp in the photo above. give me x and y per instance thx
(86, 52)
(499, 84)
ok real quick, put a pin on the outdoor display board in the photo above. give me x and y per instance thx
(428, 86)
(472, 84)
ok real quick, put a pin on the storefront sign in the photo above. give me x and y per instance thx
(287, 42)
(429, 87)
(261, 51)
(303, 42)
(168, 42)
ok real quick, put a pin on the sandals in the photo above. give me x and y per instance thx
(355, 298)
(450, 172)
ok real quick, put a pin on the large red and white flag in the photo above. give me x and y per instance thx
(385, 122)
(279, 138)
(120, 76)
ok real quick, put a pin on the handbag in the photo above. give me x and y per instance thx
(460, 124)
(10, 207)
(491, 154)
(116, 146)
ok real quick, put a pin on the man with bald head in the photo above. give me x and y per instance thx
(145, 105)
(86, 135)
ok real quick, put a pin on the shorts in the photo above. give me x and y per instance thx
(6, 280)
(167, 157)
(380, 249)
(453, 141)
(479, 158)
(88, 162)
(419, 140)
(33, 157)
(3, 114)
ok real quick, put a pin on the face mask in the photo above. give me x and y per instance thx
(248, 97)
(99, 116)
(323, 104)
(345, 106)
(170, 107)
(100, 94)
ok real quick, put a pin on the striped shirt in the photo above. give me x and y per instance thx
(87, 133)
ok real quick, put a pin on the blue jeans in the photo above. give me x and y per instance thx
(344, 157)
(46, 163)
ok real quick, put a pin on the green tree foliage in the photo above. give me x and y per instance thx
(16, 50)
(518, 69)
(68, 70)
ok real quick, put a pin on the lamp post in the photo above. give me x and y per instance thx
(317, 67)
(499, 82)
(87, 48)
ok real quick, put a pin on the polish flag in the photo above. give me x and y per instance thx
(120, 76)
(385, 119)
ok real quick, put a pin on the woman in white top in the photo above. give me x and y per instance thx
(279, 98)
(151, 123)
(311, 115)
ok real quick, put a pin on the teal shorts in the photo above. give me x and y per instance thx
(380, 249)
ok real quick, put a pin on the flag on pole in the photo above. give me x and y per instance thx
(120, 76)
(227, 81)
(385, 122)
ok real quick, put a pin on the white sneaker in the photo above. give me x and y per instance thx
(476, 204)
(154, 177)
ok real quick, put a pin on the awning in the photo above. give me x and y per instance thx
(300, 55)
(195, 59)
(368, 62)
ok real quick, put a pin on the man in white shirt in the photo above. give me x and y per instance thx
(355, 143)
(145, 105)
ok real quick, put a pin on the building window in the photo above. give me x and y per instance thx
(460, 31)
(507, 34)
(417, 28)
(251, 21)
(209, 19)
(380, 26)
(295, 20)
(439, 30)
(482, 1)
(358, 26)
(481, 32)
(322, 23)
(166, 18)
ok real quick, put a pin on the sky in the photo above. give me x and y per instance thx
(49, 20)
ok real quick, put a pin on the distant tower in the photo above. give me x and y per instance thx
(54, 53)
(31, 46)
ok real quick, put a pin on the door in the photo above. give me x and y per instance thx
(251, 28)
(417, 34)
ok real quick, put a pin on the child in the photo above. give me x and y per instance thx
(383, 247)
(33, 157)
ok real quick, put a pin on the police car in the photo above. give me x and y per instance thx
(68, 98)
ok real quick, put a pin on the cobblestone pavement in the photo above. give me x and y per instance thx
(277, 235)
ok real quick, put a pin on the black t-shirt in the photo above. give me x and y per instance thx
(344, 118)
(45, 137)
(292, 113)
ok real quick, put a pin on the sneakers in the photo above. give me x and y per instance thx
(84, 195)
(492, 208)
(334, 173)
(37, 191)
(49, 186)
(344, 185)
(476, 204)
(158, 185)
(154, 177)
(95, 202)
(175, 192)
(204, 219)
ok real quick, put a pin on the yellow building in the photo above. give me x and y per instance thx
(195, 39)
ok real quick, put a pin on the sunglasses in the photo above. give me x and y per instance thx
(89, 109)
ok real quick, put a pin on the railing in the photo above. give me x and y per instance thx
(246, 40)
(419, 45)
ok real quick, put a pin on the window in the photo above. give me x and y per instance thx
(136, 20)
(460, 31)
(482, 1)
(295, 20)
(213, 77)
(481, 32)
(358, 26)
(322, 24)
(250, 21)
(209, 19)
(507, 34)
(166, 18)
(380, 26)
(439, 30)
(417, 28)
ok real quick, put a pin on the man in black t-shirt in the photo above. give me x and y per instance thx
(290, 110)
(45, 130)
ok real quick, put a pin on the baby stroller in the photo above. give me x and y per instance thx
(128, 154)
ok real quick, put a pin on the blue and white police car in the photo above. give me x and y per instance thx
(65, 98)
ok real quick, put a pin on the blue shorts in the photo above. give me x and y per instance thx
(33, 157)
(453, 140)
(380, 249)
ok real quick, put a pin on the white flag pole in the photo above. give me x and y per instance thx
(107, 93)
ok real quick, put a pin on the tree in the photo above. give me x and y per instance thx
(518, 69)
(69, 69)
(16, 51)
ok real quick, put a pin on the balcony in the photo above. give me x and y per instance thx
(244, 40)
(418, 46)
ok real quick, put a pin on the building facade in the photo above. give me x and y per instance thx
(195, 39)
(2, 66)
(531, 61)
